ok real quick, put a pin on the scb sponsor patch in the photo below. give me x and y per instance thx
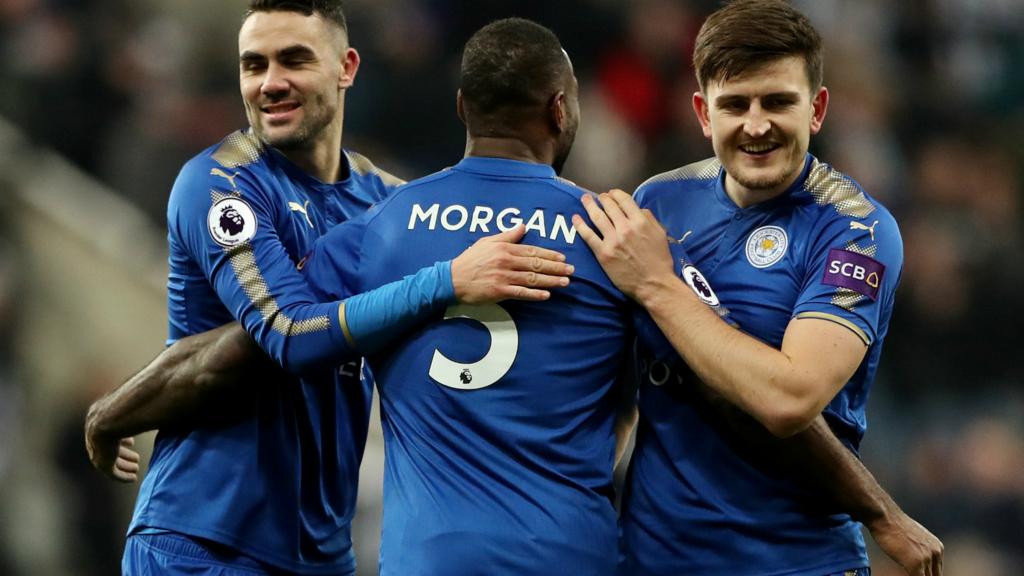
(853, 271)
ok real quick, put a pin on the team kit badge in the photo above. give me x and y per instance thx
(766, 246)
(231, 222)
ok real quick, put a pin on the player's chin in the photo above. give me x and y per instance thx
(280, 137)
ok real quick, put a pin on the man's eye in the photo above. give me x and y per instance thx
(778, 103)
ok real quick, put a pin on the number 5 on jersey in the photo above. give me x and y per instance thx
(495, 364)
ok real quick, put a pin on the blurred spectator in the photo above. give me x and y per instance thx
(11, 394)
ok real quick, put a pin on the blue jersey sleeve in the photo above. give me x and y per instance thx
(853, 269)
(230, 232)
(374, 316)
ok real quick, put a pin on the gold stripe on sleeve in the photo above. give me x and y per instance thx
(344, 326)
(838, 320)
(241, 148)
(250, 277)
(829, 186)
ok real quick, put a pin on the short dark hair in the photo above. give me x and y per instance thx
(329, 10)
(746, 34)
(510, 66)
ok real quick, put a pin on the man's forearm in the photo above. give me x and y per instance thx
(177, 385)
(837, 473)
(840, 483)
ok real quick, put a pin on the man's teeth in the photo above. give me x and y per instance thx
(757, 148)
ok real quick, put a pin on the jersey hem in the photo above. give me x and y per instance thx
(340, 569)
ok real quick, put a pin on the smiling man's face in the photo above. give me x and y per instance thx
(760, 125)
(292, 77)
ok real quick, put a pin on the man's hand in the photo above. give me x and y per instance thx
(114, 457)
(496, 268)
(908, 543)
(632, 246)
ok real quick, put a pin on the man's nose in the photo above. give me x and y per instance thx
(756, 123)
(275, 81)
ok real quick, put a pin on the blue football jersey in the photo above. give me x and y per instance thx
(498, 419)
(279, 486)
(699, 500)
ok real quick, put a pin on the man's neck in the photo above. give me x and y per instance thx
(321, 159)
(508, 148)
(319, 162)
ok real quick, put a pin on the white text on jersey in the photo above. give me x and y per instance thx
(480, 219)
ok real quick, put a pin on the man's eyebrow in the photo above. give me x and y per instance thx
(249, 56)
(730, 99)
(293, 50)
(296, 50)
(724, 99)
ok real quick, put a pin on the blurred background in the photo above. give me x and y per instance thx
(102, 101)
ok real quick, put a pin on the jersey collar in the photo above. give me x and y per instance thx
(505, 167)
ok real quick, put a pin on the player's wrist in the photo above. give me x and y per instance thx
(97, 425)
(656, 291)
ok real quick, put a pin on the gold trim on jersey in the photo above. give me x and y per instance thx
(830, 186)
(362, 166)
(847, 299)
(703, 170)
(250, 278)
(870, 251)
(218, 195)
(240, 148)
(344, 326)
(838, 320)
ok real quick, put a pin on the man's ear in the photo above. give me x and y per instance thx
(460, 107)
(349, 68)
(557, 112)
(703, 112)
(820, 105)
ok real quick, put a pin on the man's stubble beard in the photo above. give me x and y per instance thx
(306, 133)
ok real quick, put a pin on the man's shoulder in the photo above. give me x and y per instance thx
(694, 175)
(841, 198)
(221, 165)
(363, 168)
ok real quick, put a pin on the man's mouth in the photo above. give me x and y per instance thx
(760, 148)
(279, 109)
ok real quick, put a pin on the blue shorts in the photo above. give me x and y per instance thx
(172, 554)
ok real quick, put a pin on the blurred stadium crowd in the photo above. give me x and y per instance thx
(927, 102)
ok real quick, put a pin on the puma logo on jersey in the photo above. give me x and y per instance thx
(685, 236)
(859, 226)
(229, 177)
(301, 208)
